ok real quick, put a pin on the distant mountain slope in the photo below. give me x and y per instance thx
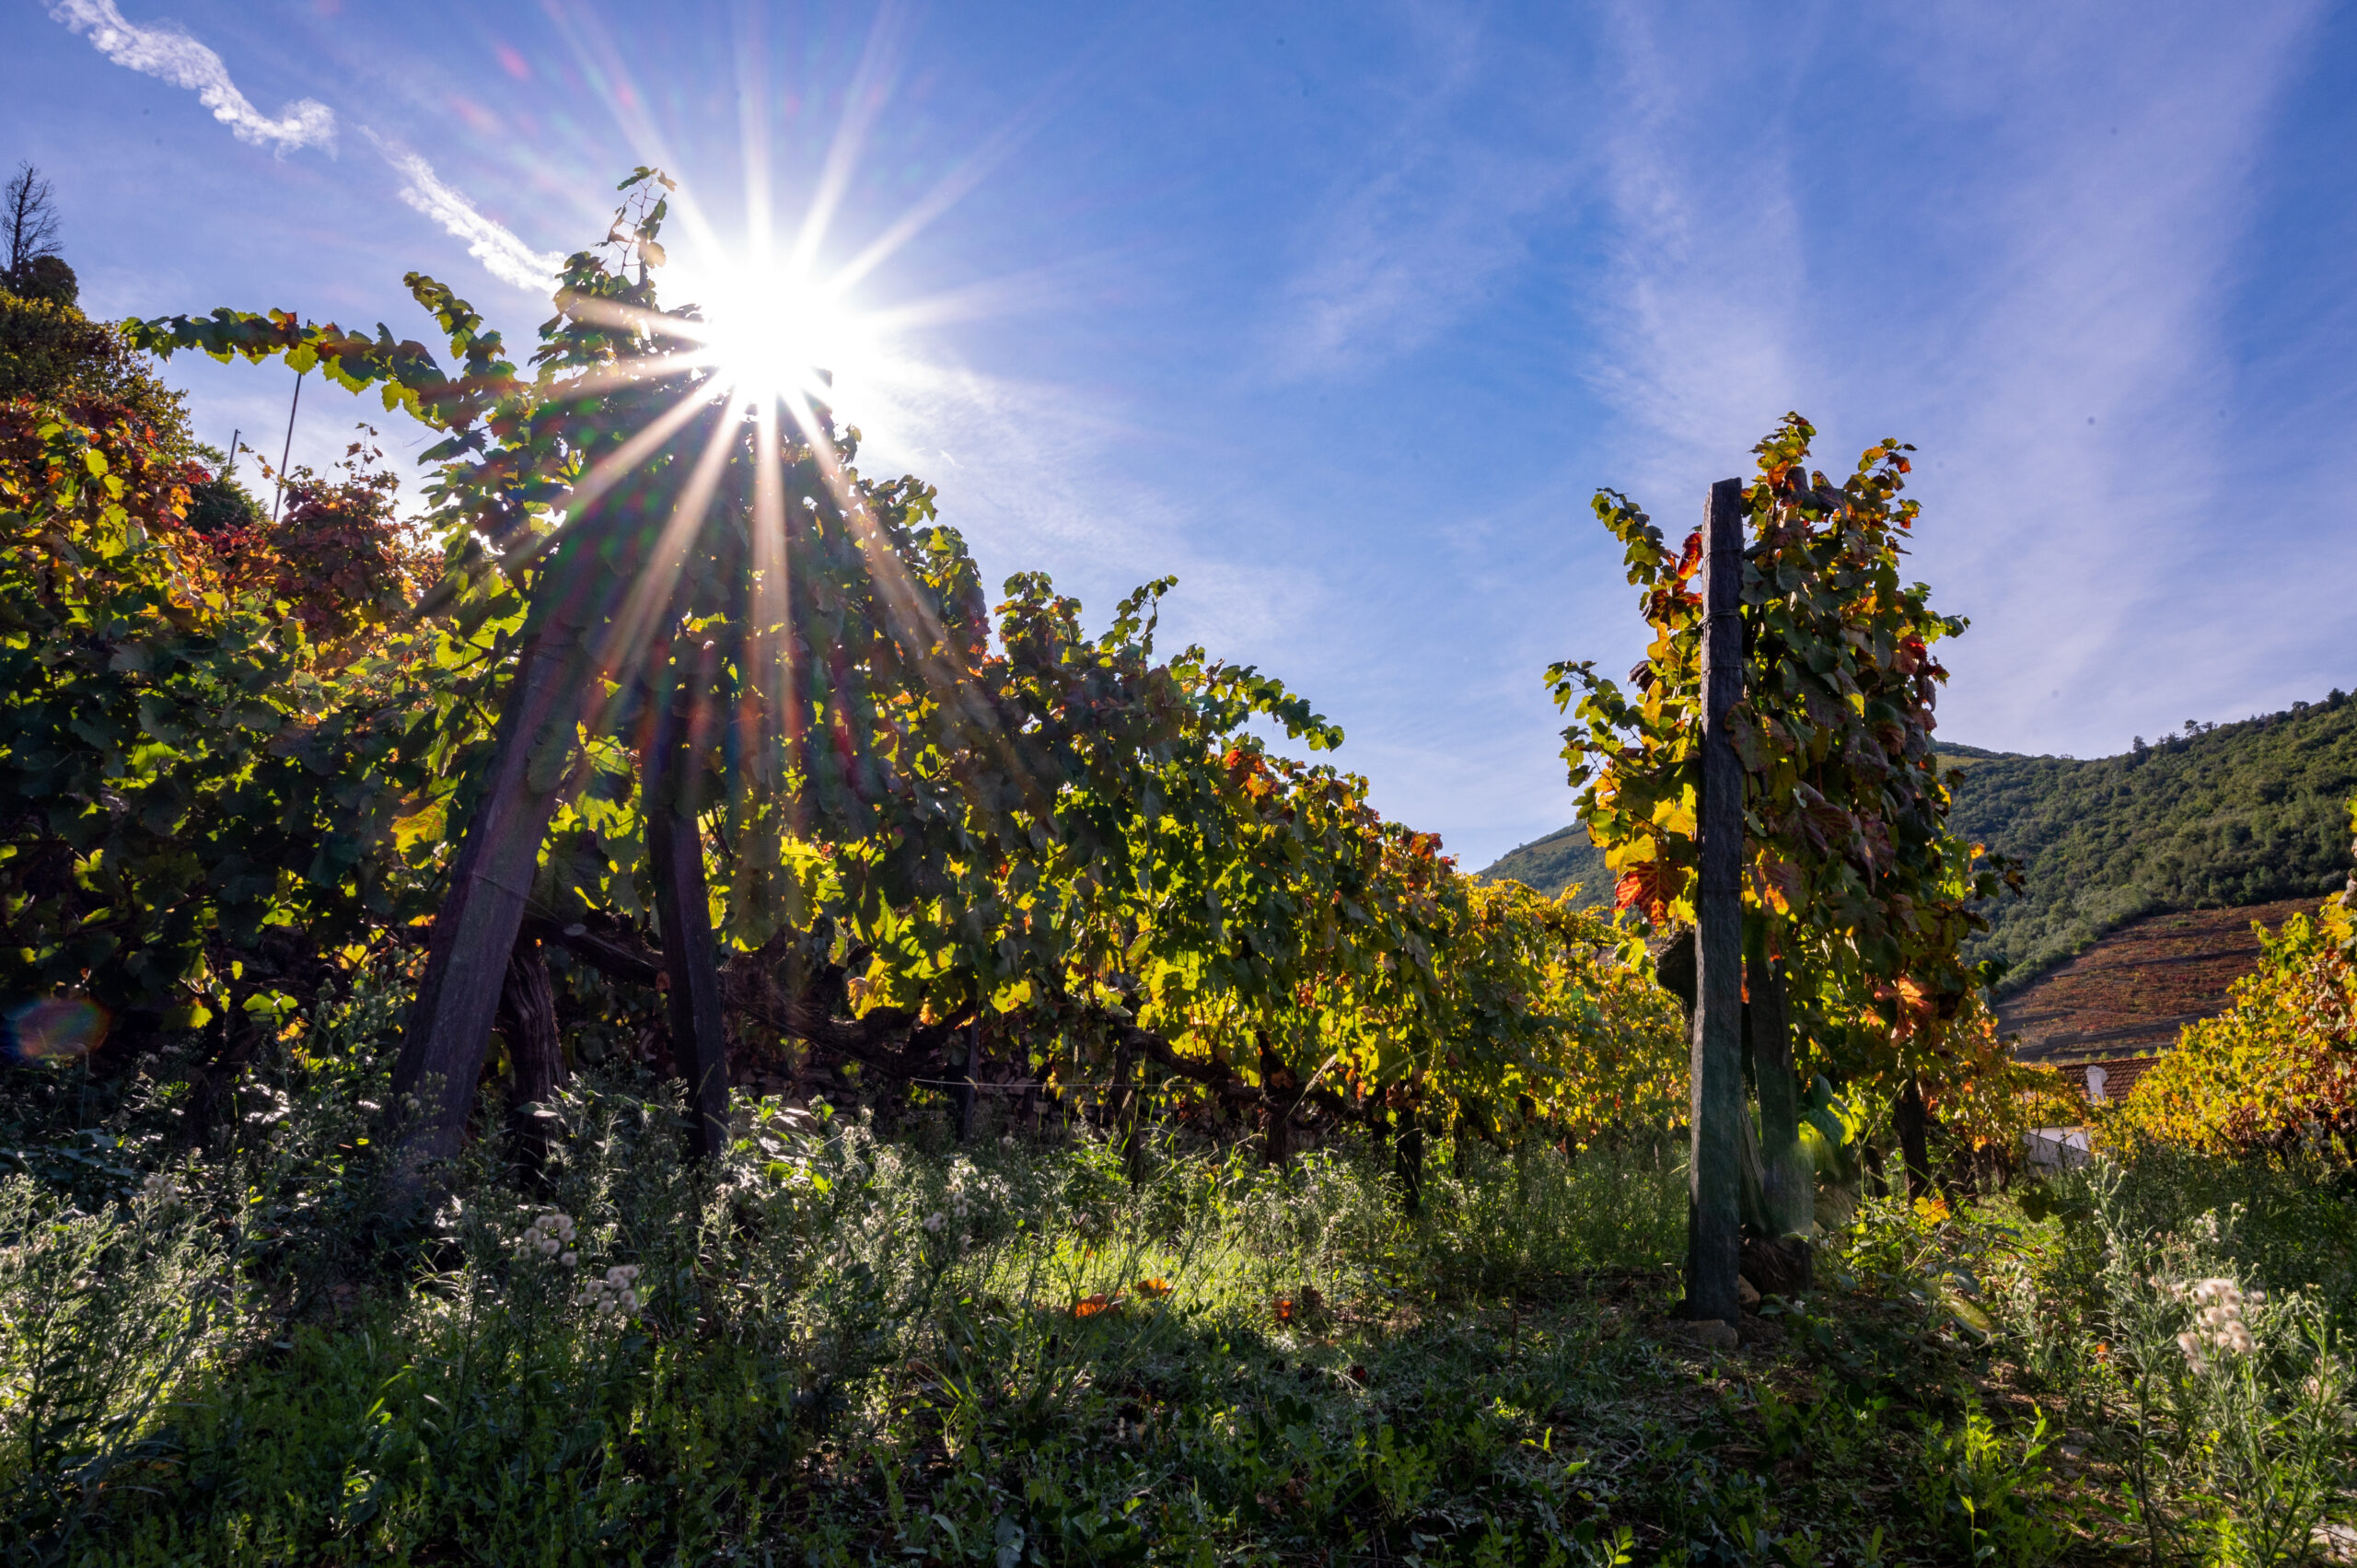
(2240, 814)
(1554, 863)
(2233, 815)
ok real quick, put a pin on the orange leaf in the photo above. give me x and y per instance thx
(1647, 885)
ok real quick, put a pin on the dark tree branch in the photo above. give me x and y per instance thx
(30, 214)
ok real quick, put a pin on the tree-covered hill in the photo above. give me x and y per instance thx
(2218, 816)
(2235, 814)
(1554, 863)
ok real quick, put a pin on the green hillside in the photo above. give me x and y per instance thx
(1554, 863)
(2237, 814)
(2225, 815)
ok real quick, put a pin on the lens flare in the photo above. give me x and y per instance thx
(55, 1027)
(771, 332)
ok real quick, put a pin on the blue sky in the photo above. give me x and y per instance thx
(1342, 313)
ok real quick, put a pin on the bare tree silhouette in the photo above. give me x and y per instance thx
(28, 217)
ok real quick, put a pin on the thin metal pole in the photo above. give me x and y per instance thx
(230, 469)
(289, 450)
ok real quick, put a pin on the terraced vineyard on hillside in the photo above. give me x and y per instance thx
(2129, 993)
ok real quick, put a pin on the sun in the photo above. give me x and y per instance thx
(773, 332)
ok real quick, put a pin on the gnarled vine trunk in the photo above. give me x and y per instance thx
(1914, 1140)
(1788, 1184)
(683, 912)
(528, 1020)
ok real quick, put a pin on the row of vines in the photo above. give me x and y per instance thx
(700, 735)
(666, 730)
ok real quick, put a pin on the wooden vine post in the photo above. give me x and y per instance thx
(1713, 1238)
(466, 958)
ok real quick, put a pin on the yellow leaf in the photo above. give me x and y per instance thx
(424, 822)
(1678, 816)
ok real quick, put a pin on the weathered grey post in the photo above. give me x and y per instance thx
(1713, 1237)
(474, 932)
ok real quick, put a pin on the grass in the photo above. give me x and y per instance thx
(849, 1348)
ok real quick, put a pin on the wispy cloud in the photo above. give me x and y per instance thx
(502, 255)
(1702, 286)
(1032, 474)
(1401, 255)
(1412, 235)
(167, 52)
(2038, 307)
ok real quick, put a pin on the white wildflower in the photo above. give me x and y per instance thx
(932, 1220)
(2217, 1320)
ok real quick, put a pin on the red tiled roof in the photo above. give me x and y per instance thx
(2120, 1074)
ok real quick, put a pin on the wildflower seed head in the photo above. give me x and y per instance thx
(932, 1220)
(570, 1259)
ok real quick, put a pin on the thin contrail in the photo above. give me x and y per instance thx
(502, 255)
(166, 51)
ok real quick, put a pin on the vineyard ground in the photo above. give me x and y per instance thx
(858, 1350)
